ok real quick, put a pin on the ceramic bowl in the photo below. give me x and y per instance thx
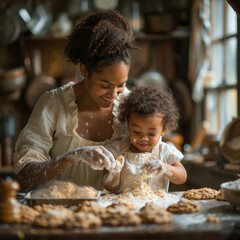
(231, 192)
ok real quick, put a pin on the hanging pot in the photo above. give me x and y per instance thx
(151, 74)
(10, 27)
(153, 77)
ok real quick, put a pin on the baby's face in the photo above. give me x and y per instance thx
(144, 132)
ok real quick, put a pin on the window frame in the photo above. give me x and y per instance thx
(219, 89)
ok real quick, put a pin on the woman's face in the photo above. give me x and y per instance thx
(144, 132)
(104, 87)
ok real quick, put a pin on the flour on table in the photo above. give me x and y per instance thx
(140, 194)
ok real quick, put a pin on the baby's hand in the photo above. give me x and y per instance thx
(152, 166)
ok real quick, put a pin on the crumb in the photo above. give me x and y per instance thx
(212, 219)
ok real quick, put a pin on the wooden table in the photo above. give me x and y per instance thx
(184, 226)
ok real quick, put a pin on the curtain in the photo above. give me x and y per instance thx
(199, 47)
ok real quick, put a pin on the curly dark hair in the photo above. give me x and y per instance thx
(148, 100)
(99, 40)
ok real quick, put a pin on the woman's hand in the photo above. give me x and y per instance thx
(97, 157)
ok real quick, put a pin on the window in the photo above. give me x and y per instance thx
(221, 94)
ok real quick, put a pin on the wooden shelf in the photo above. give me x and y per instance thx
(207, 175)
(7, 172)
(6, 169)
(44, 38)
(176, 34)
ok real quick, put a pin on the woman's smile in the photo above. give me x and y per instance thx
(107, 100)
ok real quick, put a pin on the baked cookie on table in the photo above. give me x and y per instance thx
(90, 206)
(120, 218)
(152, 213)
(200, 194)
(220, 196)
(184, 206)
(83, 220)
(28, 214)
(51, 216)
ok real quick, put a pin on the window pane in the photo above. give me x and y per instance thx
(231, 61)
(231, 20)
(217, 18)
(217, 63)
(228, 105)
(212, 111)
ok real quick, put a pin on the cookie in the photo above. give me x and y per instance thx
(212, 219)
(124, 203)
(152, 213)
(90, 206)
(220, 196)
(120, 218)
(83, 220)
(28, 214)
(51, 216)
(184, 206)
(200, 194)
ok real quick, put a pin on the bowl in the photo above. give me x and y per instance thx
(12, 80)
(231, 192)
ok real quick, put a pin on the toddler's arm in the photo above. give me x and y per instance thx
(176, 172)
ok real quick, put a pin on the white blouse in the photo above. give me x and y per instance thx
(131, 171)
(51, 131)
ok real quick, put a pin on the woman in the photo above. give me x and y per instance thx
(82, 114)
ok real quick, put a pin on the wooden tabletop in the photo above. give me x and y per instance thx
(184, 226)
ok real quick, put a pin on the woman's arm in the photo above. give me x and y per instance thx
(176, 172)
(36, 173)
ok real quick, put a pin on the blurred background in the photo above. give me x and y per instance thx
(189, 46)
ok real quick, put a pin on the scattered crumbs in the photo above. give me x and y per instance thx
(212, 219)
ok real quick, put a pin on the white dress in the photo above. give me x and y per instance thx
(51, 131)
(131, 171)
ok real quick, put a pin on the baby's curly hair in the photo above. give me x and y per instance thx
(99, 40)
(148, 100)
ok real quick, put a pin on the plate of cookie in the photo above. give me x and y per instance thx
(64, 193)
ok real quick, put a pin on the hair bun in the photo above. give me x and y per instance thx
(107, 38)
(101, 39)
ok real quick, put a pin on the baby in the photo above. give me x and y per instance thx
(149, 112)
